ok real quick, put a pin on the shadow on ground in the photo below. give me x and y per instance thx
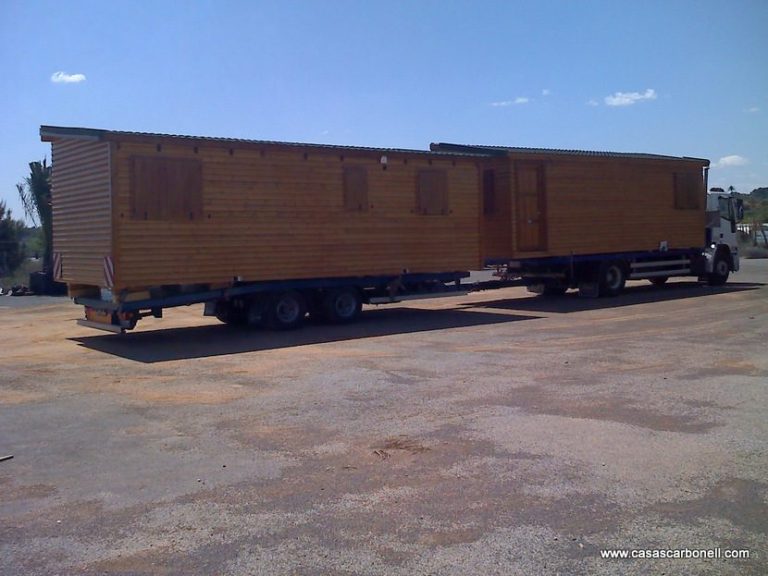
(167, 344)
(218, 339)
(571, 302)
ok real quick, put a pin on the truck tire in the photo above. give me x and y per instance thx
(721, 269)
(659, 280)
(612, 276)
(342, 305)
(285, 310)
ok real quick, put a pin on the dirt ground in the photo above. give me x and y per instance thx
(495, 433)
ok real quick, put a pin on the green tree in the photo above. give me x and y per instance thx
(11, 248)
(35, 194)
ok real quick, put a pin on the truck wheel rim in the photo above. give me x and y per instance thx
(287, 310)
(345, 305)
(721, 268)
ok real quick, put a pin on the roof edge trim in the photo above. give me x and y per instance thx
(50, 133)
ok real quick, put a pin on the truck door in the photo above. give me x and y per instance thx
(531, 207)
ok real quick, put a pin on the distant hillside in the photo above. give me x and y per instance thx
(756, 205)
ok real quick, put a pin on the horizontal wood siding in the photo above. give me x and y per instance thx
(279, 213)
(617, 205)
(82, 221)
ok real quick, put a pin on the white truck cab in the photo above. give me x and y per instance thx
(722, 249)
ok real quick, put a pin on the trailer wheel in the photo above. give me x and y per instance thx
(342, 305)
(720, 270)
(659, 280)
(285, 310)
(612, 277)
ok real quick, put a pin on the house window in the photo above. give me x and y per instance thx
(166, 189)
(489, 192)
(688, 191)
(356, 189)
(432, 192)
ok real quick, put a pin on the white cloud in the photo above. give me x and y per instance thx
(629, 98)
(546, 92)
(593, 102)
(729, 161)
(63, 77)
(753, 110)
(517, 101)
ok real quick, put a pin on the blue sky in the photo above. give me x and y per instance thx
(686, 78)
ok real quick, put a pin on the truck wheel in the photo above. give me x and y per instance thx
(612, 277)
(285, 310)
(659, 280)
(342, 305)
(720, 271)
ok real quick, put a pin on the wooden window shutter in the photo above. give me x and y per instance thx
(356, 188)
(166, 189)
(432, 192)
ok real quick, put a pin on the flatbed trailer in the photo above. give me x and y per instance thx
(279, 305)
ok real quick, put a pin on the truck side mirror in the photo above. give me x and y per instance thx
(739, 209)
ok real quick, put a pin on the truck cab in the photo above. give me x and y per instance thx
(722, 249)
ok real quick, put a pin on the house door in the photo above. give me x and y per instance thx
(531, 207)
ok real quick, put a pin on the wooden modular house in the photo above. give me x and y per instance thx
(540, 203)
(132, 211)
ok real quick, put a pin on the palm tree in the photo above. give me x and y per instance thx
(35, 194)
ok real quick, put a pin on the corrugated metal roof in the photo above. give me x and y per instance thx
(440, 149)
(505, 150)
(50, 132)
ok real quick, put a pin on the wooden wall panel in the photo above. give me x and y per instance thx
(615, 205)
(80, 196)
(279, 213)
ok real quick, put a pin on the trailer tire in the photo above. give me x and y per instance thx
(721, 269)
(659, 280)
(612, 276)
(342, 305)
(285, 310)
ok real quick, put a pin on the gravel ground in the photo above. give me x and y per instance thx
(495, 433)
